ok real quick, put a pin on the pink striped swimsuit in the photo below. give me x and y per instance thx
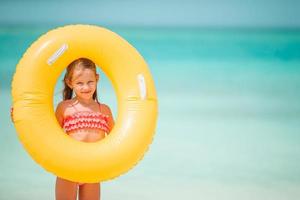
(86, 120)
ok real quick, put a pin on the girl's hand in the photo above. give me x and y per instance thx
(11, 114)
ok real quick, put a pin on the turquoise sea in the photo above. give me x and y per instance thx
(229, 117)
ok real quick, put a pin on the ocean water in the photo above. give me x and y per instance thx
(228, 126)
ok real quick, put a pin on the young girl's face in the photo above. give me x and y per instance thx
(84, 83)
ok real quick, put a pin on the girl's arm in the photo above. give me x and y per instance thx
(111, 121)
(59, 114)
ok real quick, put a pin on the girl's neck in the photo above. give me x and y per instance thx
(85, 102)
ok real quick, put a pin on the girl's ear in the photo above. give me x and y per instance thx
(97, 77)
(68, 82)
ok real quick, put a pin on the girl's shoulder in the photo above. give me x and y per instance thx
(64, 105)
(104, 106)
(105, 109)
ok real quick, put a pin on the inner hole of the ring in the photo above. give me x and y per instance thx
(105, 94)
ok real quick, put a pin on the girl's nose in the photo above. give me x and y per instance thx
(85, 87)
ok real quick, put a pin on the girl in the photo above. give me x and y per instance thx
(81, 78)
(83, 118)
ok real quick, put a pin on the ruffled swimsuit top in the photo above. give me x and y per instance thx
(86, 120)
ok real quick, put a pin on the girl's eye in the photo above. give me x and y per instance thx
(79, 83)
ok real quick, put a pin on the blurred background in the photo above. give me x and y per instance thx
(227, 75)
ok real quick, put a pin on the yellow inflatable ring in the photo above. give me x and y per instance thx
(38, 130)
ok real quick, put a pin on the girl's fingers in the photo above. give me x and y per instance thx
(11, 114)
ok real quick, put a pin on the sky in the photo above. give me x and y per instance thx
(199, 13)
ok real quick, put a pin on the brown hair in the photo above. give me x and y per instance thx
(84, 63)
